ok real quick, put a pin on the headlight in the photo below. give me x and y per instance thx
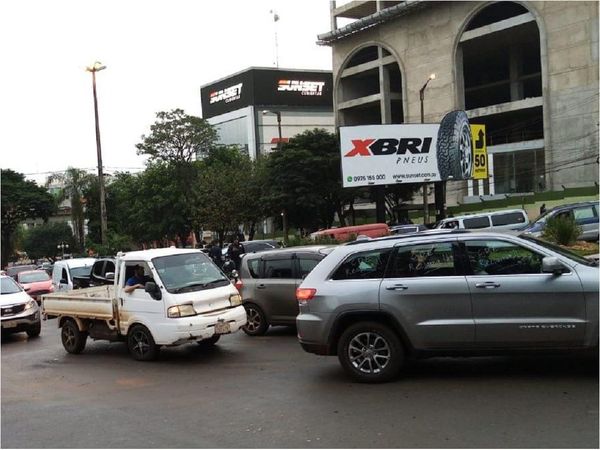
(235, 299)
(30, 304)
(181, 311)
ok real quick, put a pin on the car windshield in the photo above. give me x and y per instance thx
(189, 272)
(80, 271)
(33, 277)
(541, 218)
(9, 286)
(560, 250)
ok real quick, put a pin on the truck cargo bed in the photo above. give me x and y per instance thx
(92, 303)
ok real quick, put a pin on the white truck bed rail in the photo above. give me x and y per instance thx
(91, 303)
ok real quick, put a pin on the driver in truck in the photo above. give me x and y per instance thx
(137, 281)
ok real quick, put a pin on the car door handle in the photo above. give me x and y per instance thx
(396, 287)
(488, 285)
(260, 286)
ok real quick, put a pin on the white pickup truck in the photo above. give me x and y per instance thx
(185, 298)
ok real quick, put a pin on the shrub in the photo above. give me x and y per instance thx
(561, 230)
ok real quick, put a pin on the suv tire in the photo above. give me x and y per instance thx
(257, 324)
(370, 352)
(34, 330)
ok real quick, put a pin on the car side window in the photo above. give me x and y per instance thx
(494, 257)
(254, 267)
(306, 265)
(364, 265)
(278, 268)
(427, 260)
(64, 275)
(508, 219)
(583, 214)
(476, 222)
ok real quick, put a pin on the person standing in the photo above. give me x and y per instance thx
(235, 252)
(216, 254)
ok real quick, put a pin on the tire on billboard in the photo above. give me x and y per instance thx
(454, 147)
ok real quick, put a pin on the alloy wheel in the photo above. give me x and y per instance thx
(369, 352)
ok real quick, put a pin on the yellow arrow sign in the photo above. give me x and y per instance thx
(480, 162)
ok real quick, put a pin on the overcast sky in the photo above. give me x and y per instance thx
(157, 53)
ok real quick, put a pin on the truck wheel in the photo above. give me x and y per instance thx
(73, 340)
(256, 324)
(141, 344)
(370, 352)
(34, 330)
(454, 147)
(210, 341)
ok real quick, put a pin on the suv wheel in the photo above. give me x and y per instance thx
(256, 324)
(370, 352)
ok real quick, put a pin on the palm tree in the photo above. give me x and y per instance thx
(74, 183)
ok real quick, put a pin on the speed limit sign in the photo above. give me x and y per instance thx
(480, 163)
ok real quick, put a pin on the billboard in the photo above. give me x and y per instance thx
(407, 153)
(268, 88)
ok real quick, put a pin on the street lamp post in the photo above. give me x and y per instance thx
(284, 221)
(96, 67)
(425, 196)
(62, 247)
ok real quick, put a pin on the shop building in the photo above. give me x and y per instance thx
(260, 107)
(527, 70)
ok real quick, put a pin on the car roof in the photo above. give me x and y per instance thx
(32, 271)
(277, 251)
(488, 213)
(147, 255)
(76, 262)
(573, 205)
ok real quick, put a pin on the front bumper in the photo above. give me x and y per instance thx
(203, 326)
(20, 322)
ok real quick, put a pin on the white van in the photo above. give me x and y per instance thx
(64, 271)
(508, 219)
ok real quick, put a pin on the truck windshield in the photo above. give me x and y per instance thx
(188, 272)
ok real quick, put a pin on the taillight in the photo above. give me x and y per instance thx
(238, 284)
(305, 294)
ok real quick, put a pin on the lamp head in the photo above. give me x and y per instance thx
(96, 67)
(432, 76)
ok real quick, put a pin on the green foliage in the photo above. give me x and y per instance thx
(42, 241)
(561, 230)
(304, 177)
(115, 243)
(21, 199)
(75, 183)
(177, 137)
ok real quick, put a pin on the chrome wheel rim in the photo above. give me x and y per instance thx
(141, 344)
(369, 352)
(466, 155)
(253, 319)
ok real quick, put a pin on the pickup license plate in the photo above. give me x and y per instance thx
(222, 328)
(13, 323)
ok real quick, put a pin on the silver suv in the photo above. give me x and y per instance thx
(374, 303)
(267, 283)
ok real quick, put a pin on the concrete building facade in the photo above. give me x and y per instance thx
(527, 70)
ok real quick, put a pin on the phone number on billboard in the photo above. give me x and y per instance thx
(367, 177)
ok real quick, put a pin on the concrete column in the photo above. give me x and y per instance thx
(491, 178)
(515, 68)
(470, 188)
(384, 89)
(333, 17)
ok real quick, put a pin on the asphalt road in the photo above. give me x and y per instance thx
(267, 392)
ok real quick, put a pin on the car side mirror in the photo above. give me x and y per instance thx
(234, 274)
(152, 288)
(110, 275)
(551, 264)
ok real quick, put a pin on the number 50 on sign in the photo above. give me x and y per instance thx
(480, 163)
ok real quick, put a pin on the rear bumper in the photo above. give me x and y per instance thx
(317, 349)
(313, 332)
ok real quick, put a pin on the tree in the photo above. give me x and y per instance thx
(305, 180)
(75, 182)
(177, 137)
(42, 241)
(21, 199)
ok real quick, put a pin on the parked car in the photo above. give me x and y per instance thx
(509, 219)
(19, 311)
(342, 234)
(35, 283)
(585, 214)
(374, 304)
(12, 271)
(267, 282)
(64, 271)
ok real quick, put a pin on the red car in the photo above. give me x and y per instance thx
(36, 283)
